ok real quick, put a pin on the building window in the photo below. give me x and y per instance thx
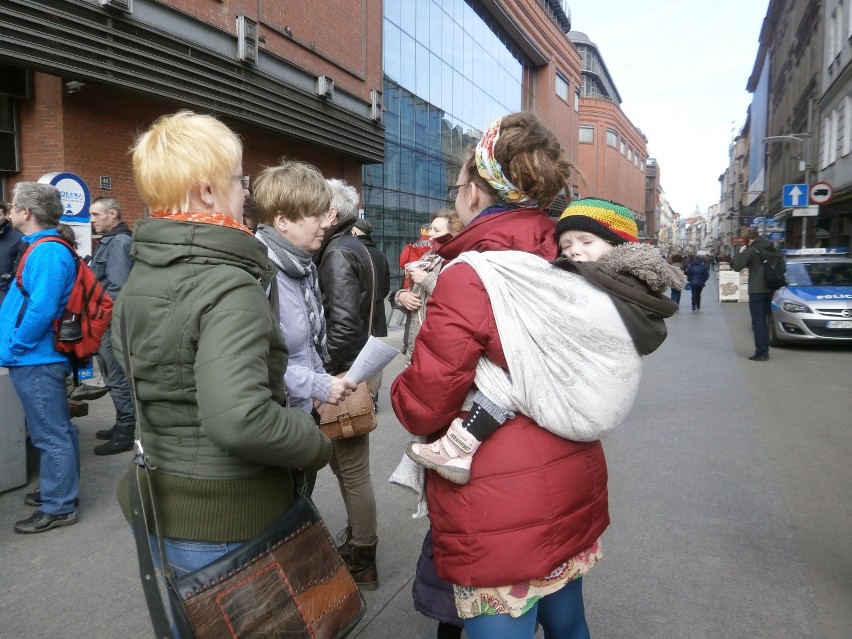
(832, 136)
(10, 161)
(561, 87)
(587, 135)
(629, 154)
(577, 100)
(847, 125)
(825, 143)
(623, 146)
(611, 138)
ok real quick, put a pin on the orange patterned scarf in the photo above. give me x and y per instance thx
(204, 217)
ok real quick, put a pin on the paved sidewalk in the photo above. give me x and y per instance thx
(701, 544)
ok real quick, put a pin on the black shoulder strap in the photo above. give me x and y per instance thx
(139, 519)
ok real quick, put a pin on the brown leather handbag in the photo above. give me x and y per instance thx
(354, 415)
(351, 417)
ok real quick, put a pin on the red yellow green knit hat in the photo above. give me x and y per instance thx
(608, 220)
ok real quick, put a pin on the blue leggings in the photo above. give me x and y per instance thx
(561, 614)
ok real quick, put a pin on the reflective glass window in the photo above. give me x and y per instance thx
(447, 76)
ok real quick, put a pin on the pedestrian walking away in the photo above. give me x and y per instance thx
(697, 274)
(111, 264)
(36, 369)
(676, 260)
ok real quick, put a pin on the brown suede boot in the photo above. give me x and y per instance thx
(362, 564)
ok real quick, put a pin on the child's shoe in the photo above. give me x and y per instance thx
(450, 456)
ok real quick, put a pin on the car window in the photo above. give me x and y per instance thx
(819, 274)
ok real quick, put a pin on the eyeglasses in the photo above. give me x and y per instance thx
(244, 180)
(453, 191)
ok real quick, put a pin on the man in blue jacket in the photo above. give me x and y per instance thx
(36, 370)
(111, 264)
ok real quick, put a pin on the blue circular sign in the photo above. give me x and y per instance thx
(74, 194)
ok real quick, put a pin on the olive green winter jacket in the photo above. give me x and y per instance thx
(208, 364)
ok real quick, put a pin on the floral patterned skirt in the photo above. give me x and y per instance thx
(517, 600)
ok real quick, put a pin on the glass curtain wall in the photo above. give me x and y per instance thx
(448, 74)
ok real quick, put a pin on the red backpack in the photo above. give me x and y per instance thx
(87, 313)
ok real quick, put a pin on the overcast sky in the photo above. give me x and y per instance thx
(681, 67)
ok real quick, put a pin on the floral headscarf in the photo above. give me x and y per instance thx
(489, 168)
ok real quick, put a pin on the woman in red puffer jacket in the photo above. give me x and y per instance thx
(516, 540)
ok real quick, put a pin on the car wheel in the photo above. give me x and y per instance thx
(773, 335)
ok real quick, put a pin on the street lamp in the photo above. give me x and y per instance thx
(798, 137)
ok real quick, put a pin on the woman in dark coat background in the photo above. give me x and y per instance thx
(697, 274)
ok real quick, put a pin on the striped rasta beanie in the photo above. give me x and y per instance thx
(608, 220)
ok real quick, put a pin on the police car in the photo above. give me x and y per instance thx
(816, 304)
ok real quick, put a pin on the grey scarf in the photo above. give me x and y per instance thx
(298, 264)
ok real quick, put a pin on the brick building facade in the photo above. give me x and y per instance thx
(98, 76)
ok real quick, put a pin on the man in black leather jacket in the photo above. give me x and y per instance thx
(347, 282)
(10, 241)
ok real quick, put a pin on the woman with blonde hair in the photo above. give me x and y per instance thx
(207, 355)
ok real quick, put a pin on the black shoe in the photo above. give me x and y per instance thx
(759, 358)
(34, 499)
(40, 522)
(88, 391)
(105, 434)
(113, 447)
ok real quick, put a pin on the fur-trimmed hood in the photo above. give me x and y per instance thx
(644, 262)
(634, 275)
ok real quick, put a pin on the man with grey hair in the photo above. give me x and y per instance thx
(36, 369)
(111, 264)
(347, 281)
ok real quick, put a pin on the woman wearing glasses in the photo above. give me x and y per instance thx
(293, 202)
(516, 540)
(207, 355)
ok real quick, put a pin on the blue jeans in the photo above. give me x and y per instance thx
(758, 306)
(562, 615)
(41, 389)
(119, 390)
(676, 295)
(185, 556)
